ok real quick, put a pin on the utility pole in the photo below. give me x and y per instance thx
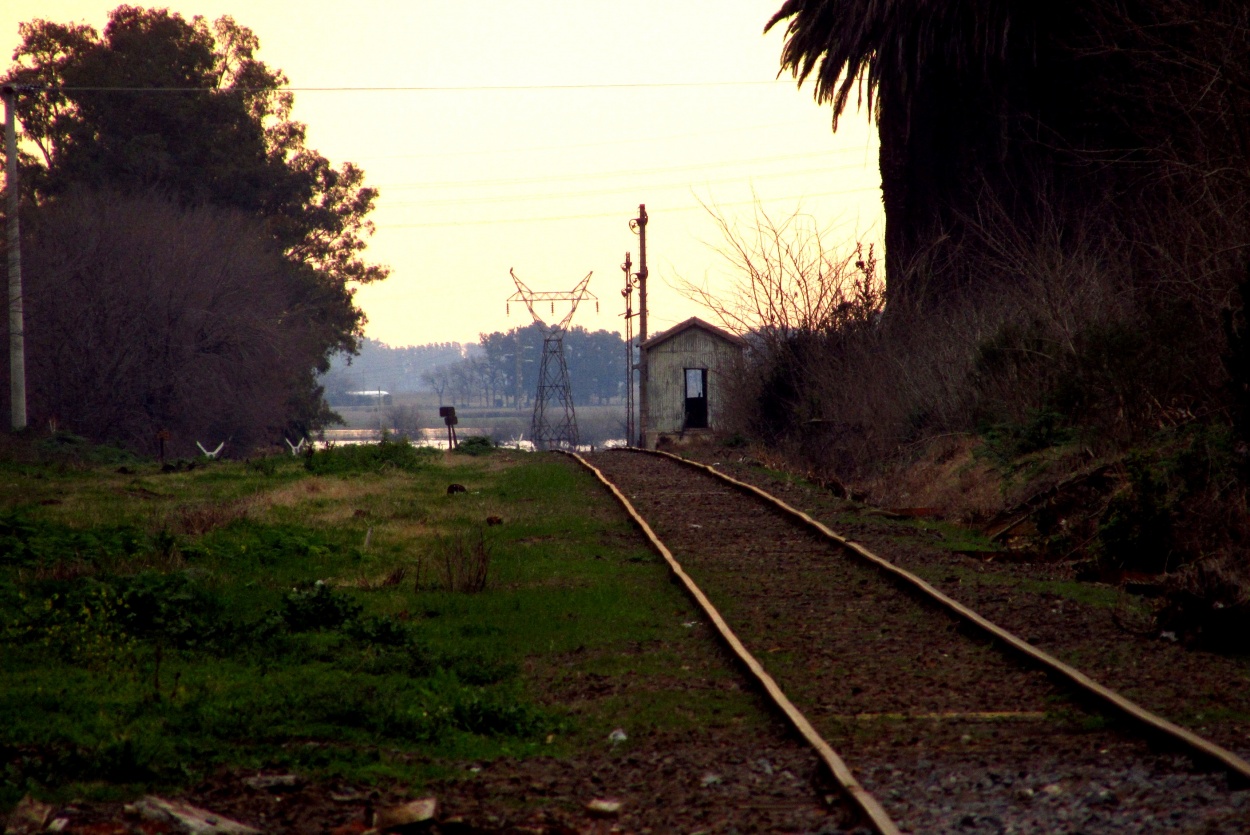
(628, 294)
(639, 225)
(17, 340)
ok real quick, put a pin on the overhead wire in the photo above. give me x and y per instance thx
(577, 145)
(590, 216)
(636, 172)
(428, 88)
(649, 188)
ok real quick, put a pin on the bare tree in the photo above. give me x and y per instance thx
(785, 278)
(438, 379)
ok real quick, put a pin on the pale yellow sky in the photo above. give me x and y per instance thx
(476, 181)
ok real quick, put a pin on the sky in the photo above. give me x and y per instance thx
(538, 130)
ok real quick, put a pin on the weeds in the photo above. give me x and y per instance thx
(316, 606)
(26, 541)
(66, 447)
(462, 560)
(387, 454)
(199, 519)
(1006, 442)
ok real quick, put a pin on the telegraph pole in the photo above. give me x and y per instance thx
(628, 294)
(17, 343)
(639, 225)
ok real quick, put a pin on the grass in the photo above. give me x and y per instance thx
(157, 626)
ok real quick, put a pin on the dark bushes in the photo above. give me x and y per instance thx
(143, 316)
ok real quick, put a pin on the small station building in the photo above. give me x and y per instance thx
(687, 368)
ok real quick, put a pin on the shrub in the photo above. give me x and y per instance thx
(97, 618)
(24, 541)
(476, 445)
(1136, 532)
(145, 315)
(316, 607)
(387, 454)
(171, 609)
(462, 559)
(1208, 605)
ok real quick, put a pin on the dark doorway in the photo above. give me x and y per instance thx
(696, 398)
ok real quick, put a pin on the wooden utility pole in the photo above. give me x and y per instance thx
(17, 342)
(639, 225)
(628, 294)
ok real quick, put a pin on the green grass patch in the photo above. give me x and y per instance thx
(296, 614)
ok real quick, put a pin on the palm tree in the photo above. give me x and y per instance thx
(942, 78)
(1050, 113)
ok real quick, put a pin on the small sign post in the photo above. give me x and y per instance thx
(448, 414)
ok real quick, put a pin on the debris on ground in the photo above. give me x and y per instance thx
(190, 818)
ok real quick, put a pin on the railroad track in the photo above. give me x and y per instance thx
(930, 717)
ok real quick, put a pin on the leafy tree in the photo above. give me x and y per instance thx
(158, 104)
(596, 361)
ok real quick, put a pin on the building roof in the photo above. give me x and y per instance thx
(693, 322)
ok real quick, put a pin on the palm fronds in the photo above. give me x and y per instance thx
(883, 48)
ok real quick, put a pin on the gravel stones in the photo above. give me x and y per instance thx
(948, 733)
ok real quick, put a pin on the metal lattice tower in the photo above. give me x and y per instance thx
(554, 425)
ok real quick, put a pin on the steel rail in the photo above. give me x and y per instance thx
(868, 805)
(1197, 747)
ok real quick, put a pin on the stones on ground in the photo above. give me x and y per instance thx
(1102, 797)
(604, 807)
(272, 782)
(396, 817)
(711, 779)
(189, 818)
(30, 816)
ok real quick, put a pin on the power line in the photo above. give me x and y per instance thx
(689, 208)
(467, 88)
(635, 172)
(632, 188)
(605, 143)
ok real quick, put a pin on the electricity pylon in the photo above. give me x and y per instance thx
(553, 426)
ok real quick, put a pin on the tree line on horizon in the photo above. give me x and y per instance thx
(499, 370)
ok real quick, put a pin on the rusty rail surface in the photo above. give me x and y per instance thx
(1195, 746)
(864, 802)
